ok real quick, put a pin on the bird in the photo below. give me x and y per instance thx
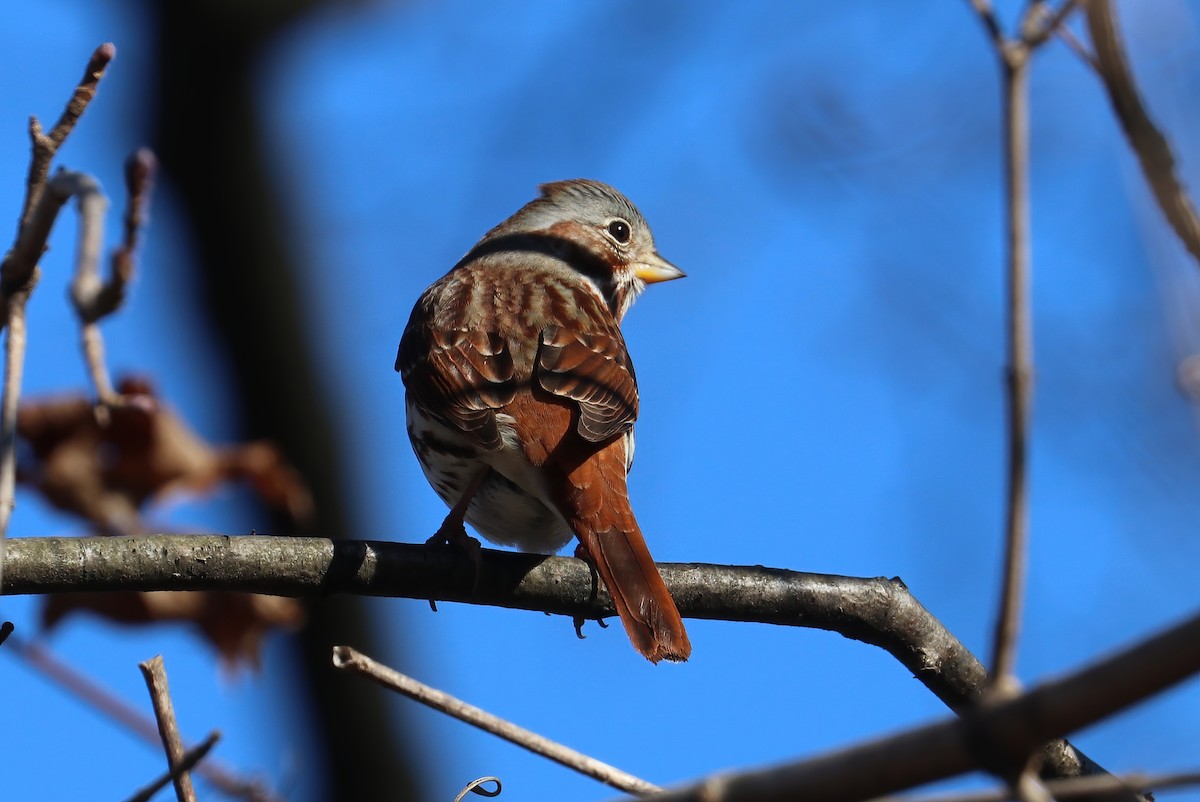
(520, 394)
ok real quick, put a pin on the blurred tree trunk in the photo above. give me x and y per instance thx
(209, 140)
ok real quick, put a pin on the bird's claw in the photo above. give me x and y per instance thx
(453, 535)
(579, 621)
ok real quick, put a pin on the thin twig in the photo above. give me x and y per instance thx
(1077, 47)
(10, 396)
(476, 787)
(106, 703)
(87, 286)
(95, 299)
(168, 729)
(93, 357)
(1152, 148)
(45, 146)
(1013, 57)
(140, 168)
(85, 689)
(62, 187)
(19, 271)
(347, 658)
(990, 24)
(1028, 788)
(1039, 29)
(190, 760)
(1014, 65)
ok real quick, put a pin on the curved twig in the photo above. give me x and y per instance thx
(476, 787)
(1152, 148)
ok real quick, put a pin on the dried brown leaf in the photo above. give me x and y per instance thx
(107, 473)
(233, 623)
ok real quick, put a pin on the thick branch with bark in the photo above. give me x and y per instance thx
(986, 738)
(876, 611)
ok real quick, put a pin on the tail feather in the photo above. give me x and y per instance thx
(641, 597)
(594, 501)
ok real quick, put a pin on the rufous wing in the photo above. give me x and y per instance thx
(594, 370)
(463, 377)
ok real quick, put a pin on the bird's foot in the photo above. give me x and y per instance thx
(582, 554)
(453, 535)
(579, 621)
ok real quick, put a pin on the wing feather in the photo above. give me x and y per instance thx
(461, 377)
(594, 370)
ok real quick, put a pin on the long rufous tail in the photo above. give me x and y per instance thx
(638, 591)
(593, 498)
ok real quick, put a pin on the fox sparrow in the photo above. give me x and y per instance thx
(521, 396)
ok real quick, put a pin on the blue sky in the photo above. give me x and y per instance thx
(822, 393)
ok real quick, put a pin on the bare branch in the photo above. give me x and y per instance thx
(988, 737)
(17, 270)
(92, 206)
(30, 245)
(92, 297)
(1019, 334)
(1013, 57)
(10, 398)
(347, 658)
(95, 299)
(87, 286)
(990, 23)
(93, 357)
(190, 759)
(1039, 28)
(1029, 789)
(86, 690)
(877, 611)
(106, 703)
(45, 146)
(1078, 48)
(140, 168)
(1076, 788)
(1152, 148)
(168, 729)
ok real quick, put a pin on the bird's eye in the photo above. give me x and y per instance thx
(620, 231)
